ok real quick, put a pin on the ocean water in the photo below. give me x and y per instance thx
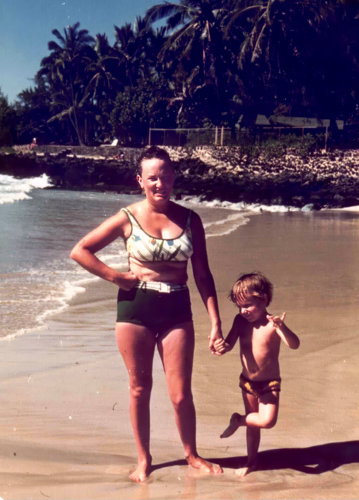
(40, 225)
(38, 228)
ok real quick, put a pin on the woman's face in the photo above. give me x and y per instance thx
(156, 179)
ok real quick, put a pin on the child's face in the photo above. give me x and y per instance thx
(252, 308)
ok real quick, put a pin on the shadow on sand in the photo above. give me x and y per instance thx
(312, 460)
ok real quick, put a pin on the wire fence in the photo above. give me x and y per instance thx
(218, 136)
(222, 136)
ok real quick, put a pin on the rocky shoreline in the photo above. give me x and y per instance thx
(321, 179)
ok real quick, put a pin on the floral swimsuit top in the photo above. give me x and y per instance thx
(147, 248)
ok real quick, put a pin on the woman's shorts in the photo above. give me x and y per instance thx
(155, 310)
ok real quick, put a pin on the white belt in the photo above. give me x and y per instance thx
(160, 286)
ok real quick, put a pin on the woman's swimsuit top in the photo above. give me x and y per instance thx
(147, 248)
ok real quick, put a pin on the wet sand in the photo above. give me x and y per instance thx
(65, 431)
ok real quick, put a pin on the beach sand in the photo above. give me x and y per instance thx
(65, 431)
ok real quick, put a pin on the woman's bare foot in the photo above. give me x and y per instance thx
(198, 462)
(142, 471)
(244, 471)
(234, 423)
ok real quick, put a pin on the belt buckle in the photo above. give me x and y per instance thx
(165, 288)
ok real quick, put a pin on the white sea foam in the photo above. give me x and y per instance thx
(240, 206)
(225, 226)
(12, 189)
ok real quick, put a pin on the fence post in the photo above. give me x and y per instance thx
(326, 139)
(149, 136)
(216, 136)
(222, 133)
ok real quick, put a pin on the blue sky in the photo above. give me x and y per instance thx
(26, 25)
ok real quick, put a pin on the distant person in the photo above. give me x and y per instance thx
(153, 305)
(33, 144)
(260, 335)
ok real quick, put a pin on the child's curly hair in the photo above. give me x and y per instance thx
(251, 285)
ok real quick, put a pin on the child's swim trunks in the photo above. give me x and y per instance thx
(259, 387)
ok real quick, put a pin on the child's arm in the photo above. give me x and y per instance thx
(285, 333)
(224, 345)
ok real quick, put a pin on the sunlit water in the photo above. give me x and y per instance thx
(38, 228)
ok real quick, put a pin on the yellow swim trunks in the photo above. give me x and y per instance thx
(259, 387)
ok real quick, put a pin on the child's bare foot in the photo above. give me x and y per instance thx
(244, 471)
(234, 423)
(198, 462)
(142, 471)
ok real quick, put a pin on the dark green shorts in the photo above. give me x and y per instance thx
(154, 310)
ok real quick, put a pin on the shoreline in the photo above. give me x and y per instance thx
(319, 180)
(66, 389)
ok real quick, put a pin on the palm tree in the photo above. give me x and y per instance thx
(125, 46)
(7, 121)
(66, 73)
(334, 64)
(137, 47)
(193, 28)
(103, 85)
(194, 48)
(103, 69)
(273, 40)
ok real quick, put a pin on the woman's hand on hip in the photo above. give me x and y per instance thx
(126, 281)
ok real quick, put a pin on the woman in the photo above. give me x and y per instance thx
(153, 300)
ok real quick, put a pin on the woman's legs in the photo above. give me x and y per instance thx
(176, 349)
(136, 345)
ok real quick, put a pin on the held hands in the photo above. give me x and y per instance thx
(221, 347)
(215, 336)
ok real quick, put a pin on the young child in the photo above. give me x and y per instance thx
(260, 335)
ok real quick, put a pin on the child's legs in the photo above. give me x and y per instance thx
(264, 413)
(253, 433)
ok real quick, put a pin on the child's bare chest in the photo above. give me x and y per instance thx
(259, 342)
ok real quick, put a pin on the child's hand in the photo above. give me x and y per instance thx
(221, 346)
(285, 333)
(277, 321)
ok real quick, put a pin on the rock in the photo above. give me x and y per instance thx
(227, 173)
(350, 201)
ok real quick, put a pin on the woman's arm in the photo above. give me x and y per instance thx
(225, 345)
(84, 251)
(204, 279)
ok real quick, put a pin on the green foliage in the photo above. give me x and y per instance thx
(7, 122)
(302, 146)
(136, 109)
(130, 117)
(211, 62)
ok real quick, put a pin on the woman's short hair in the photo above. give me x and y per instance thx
(153, 152)
(251, 285)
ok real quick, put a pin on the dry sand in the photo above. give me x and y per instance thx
(65, 431)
